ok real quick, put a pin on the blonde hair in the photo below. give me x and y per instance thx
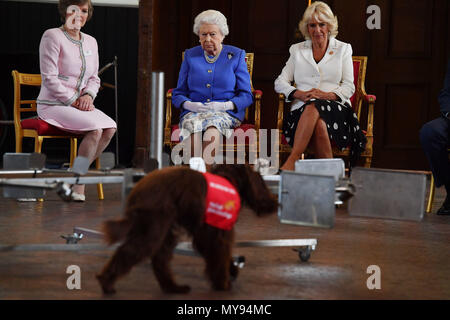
(321, 12)
(211, 17)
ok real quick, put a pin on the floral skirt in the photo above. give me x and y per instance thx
(194, 122)
(342, 125)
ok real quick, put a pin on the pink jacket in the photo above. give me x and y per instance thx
(68, 67)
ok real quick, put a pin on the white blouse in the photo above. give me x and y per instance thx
(334, 73)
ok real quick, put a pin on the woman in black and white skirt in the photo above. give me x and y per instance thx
(322, 69)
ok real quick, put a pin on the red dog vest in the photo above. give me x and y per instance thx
(222, 202)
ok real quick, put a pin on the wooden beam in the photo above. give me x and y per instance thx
(143, 107)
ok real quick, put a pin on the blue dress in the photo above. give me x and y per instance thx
(227, 79)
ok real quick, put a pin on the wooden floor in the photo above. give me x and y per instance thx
(414, 257)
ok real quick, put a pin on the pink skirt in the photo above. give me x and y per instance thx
(74, 120)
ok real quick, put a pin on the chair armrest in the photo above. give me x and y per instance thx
(168, 123)
(281, 102)
(280, 114)
(257, 94)
(168, 108)
(370, 98)
(367, 97)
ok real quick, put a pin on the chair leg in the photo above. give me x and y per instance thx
(73, 150)
(19, 142)
(368, 162)
(38, 148)
(38, 144)
(101, 196)
(431, 195)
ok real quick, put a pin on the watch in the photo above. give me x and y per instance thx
(89, 95)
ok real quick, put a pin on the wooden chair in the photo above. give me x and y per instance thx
(360, 96)
(432, 190)
(171, 128)
(36, 128)
(431, 194)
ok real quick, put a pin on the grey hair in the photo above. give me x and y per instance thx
(211, 17)
(322, 12)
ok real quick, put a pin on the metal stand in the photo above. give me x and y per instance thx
(305, 246)
(116, 105)
(34, 187)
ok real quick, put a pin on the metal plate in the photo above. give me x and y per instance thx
(388, 194)
(23, 192)
(130, 178)
(327, 167)
(22, 161)
(272, 182)
(107, 161)
(306, 200)
(50, 182)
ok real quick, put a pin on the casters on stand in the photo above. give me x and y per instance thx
(304, 253)
(73, 238)
(239, 261)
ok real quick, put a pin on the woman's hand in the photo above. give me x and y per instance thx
(314, 94)
(220, 106)
(302, 95)
(84, 103)
(195, 106)
(319, 94)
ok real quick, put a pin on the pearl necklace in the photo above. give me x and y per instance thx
(211, 60)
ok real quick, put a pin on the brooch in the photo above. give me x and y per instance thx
(331, 52)
(230, 55)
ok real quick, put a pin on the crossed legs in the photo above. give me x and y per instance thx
(310, 129)
(93, 144)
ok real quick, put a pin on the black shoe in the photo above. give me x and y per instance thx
(444, 210)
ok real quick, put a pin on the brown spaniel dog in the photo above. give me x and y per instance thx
(177, 197)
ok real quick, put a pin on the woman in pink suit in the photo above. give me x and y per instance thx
(69, 67)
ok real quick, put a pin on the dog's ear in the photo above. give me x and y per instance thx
(257, 194)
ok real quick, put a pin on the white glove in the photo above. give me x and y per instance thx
(220, 106)
(195, 106)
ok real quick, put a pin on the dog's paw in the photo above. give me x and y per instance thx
(177, 289)
(234, 272)
(222, 286)
(107, 288)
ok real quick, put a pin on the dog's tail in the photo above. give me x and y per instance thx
(116, 230)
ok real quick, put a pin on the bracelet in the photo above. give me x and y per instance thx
(87, 93)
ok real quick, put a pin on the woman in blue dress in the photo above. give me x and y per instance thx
(213, 87)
